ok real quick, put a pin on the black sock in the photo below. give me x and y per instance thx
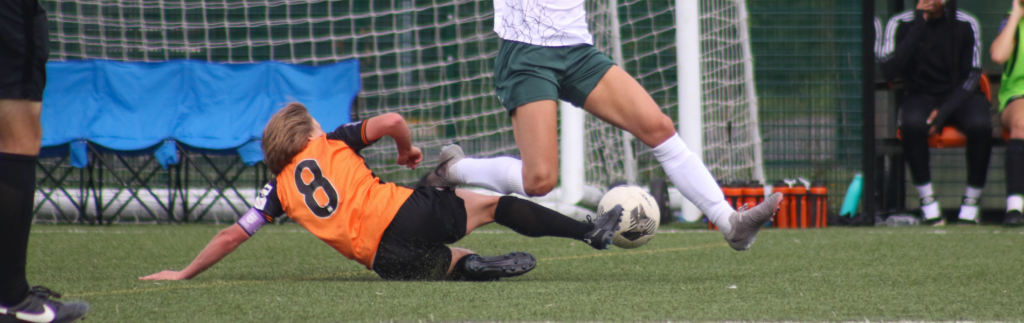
(1015, 166)
(533, 220)
(17, 196)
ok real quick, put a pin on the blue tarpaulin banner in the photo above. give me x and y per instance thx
(137, 106)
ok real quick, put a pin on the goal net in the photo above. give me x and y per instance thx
(432, 61)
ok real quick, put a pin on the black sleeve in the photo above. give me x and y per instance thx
(970, 52)
(902, 35)
(970, 68)
(353, 134)
(267, 201)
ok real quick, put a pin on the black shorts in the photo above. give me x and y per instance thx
(24, 49)
(414, 246)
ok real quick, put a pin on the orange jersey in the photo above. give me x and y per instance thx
(328, 189)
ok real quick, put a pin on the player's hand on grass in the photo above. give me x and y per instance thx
(165, 275)
(410, 158)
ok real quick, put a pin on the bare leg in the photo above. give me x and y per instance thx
(1013, 119)
(535, 126)
(479, 208)
(20, 129)
(619, 100)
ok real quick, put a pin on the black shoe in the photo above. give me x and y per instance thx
(1013, 219)
(605, 227)
(39, 308)
(493, 267)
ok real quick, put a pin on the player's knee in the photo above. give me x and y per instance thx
(541, 183)
(657, 131)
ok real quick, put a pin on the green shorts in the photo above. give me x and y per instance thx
(525, 73)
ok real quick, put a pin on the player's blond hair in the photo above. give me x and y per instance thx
(286, 135)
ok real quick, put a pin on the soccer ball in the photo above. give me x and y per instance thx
(640, 215)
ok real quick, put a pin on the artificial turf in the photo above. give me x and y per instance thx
(284, 274)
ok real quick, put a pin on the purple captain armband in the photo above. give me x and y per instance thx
(252, 221)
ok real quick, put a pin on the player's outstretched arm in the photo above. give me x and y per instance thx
(224, 243)
(392, 124)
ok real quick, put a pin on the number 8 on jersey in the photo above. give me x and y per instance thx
(311, 183)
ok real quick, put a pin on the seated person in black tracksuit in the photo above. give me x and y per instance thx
(936, 50)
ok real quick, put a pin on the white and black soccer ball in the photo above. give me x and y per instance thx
(640, 215)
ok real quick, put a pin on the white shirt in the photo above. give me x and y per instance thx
(549, 23)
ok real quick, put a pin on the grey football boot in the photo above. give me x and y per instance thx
(440, 176)
(746, 223)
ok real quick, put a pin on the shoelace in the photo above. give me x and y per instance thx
(743, 208)
(43, 292)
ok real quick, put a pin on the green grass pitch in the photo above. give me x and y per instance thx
(284, 274)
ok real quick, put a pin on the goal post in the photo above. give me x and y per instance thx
(688, 55)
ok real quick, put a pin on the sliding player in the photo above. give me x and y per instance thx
(547, 54)
(1004, 50)
(401, 234)
(24, 50)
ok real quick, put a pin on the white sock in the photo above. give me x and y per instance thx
(973, 192)
(931, 210)
(924, 190)
(501, 174)
(970, 212)
(694, 181)
(1014, 202)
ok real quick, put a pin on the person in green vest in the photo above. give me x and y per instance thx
(1005, 51)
